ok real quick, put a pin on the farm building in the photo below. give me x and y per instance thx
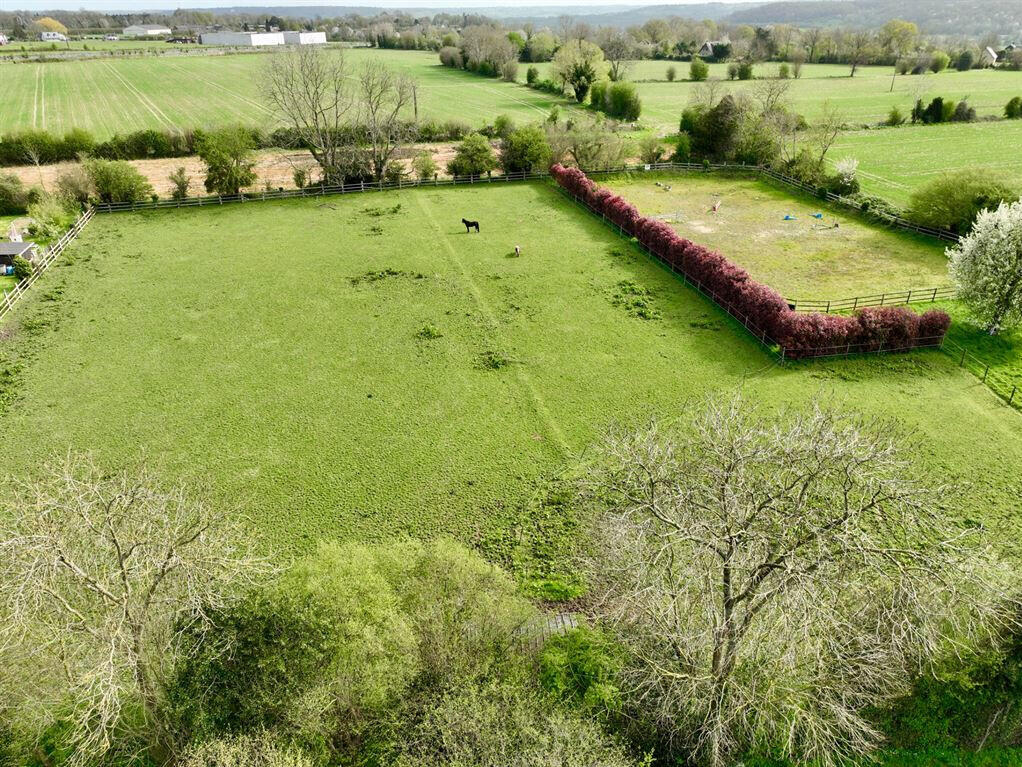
(304, 38)
(146, 30)
(242, 38)
(11, 250)
(706, 51)
(53, 37)
(988, 57)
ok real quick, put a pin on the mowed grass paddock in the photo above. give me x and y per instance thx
(359, 367)
(107, 96)
(805, 258)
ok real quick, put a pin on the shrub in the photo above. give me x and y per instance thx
(14, 197)
(1013, 109)
(22, 268)
(50, 217)
(651, 151)
(525, 150)
(895, 118)
(732, 71)
(424, 165)
(698, 70)
(963, 113)
(509, 71)
(783, 71)
(623, 101)
(965, 61)
(451, 57)
(745, 70)
(953, 200)
(228, 155)
(578, 668)
(75, 185)
(672, 73)
(117, 181)
(682, 148)
(939, 62)
(531, 75)
(502, 126)
(473, 157)
(260, 750)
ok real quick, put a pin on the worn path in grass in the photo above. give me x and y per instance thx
(325, 365)
(805, 258)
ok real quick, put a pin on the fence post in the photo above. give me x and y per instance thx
(1012, 397)
(934, 295)
(962, 361)
(985, 373)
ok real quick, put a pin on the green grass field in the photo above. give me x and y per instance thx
(803, 259)
(108, 96)
(359, 367)
(894, 162)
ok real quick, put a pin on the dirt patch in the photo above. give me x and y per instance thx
(702, 228)
(274, 167)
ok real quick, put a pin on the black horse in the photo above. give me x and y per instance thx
(469, 225)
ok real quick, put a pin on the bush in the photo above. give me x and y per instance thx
(451, 57)
(745, 70)
(424, 165)
(1013, 109)
(965, 61)
(503, 125)
(682, 148)
(525, 150)
(939, 62)
(698, 70)
(14, 197)
(651, 151)
(473, 157)
(732, 71)
(260, 750)
(783, 72)
(963, 113)
(578, 668)
(181, 181)
(75, 185)
(953, 200)
(117, 181)
(22, 268)
(895, 118)
(50, 217)
(672, 73)
(623, 101)
(531, 75)
(228, 155)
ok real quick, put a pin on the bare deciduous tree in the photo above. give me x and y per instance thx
(97, 575)
(383, 98)
(772, 580)
(618, 49)
(308, 90)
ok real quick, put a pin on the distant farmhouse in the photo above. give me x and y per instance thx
(4, 40)
(706, 51)
(252, 39)
(147, 30)
(988, 57)
(53, 37)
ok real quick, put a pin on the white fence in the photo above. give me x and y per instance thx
(11, 297)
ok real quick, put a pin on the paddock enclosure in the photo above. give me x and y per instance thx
(360, 367)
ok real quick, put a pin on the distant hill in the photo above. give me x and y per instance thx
(604, 15)
(976, 17)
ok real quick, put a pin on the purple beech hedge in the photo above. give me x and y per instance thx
(800, 334)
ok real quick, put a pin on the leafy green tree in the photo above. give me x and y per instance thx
(14, 197)
(623, 101)
(953, 201)
(579, 64)
(698, 70)
(525, 150)
(229, 156)
(651, 151)
(473, 157)
(117, 181)
(939, 62)
(965, 61)
(22, 268)
(424, 165)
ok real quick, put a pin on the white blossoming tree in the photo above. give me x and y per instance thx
(986, 266)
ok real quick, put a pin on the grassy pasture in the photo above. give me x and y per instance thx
(359, 367)
(803, 259)
(108, 96)
(895, 162)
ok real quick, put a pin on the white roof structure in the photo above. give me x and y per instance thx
(250, 39)
(147, 30)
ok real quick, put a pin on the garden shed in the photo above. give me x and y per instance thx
(9, 250)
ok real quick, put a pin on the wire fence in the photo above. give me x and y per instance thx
(1009, 391)
(11, 297)
(892, 298)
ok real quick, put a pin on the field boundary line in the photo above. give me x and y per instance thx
(11, 297)
(537, 399)
(144, 100)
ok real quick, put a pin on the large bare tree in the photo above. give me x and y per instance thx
(308, 90)
(383, 98)
(97, 574)
(774, 579)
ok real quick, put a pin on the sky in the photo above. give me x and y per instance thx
(140, 5)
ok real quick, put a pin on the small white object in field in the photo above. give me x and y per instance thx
(518, 251)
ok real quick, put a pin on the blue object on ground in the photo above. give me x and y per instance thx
(789, 217)
(817, 215)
